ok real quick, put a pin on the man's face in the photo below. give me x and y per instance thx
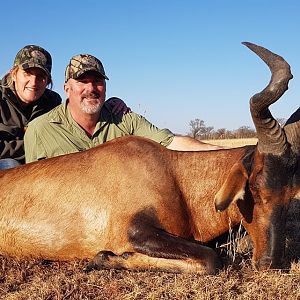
(86, 93)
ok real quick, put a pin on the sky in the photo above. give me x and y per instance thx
(170, 60)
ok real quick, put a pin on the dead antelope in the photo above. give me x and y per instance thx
(134, 204)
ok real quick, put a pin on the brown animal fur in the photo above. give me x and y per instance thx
(76, 205)
(133, 204)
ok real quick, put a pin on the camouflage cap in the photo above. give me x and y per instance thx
(82, 63)
(34, 56)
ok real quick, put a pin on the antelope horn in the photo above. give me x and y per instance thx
(271, 137)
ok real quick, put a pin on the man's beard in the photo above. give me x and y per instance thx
(88, 107)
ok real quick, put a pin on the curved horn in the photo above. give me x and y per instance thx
(271, 137)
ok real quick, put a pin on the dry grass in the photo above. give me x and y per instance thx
(33, 280)
(37, 279)
(232, 143)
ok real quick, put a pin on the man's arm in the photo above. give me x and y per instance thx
(135, 124)
(186, 143)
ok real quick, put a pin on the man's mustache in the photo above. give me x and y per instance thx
(91, 95)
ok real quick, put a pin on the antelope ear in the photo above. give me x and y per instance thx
(233, 188)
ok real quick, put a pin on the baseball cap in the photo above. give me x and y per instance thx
(34, 56)
(82, 63)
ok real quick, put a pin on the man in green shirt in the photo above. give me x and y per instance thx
(85, 120)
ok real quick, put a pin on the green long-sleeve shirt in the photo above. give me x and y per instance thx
(56, 133)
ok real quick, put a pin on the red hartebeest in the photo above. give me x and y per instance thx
(134, 204)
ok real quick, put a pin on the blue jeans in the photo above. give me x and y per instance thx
(7, 163)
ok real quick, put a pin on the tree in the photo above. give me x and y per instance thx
(245, 132)
(199, 130)
(196, 127)
(220, 133)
